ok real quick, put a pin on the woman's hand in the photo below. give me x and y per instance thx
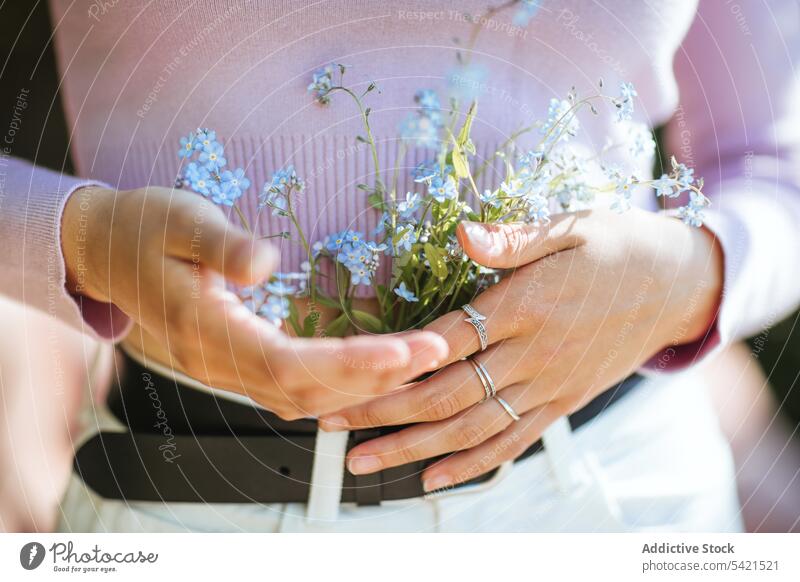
(162, 256)
(594, 296)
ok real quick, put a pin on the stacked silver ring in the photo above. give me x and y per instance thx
(476, 320)
(490, 390)
(507, 407)
(486, 380)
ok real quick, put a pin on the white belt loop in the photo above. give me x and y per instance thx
(560, 450)
(327, 476)
(577, 471)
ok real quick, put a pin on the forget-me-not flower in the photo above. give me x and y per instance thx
(685, 176)
(234, 183)
(321, 84)
(428, 100)
(187, 146)
(204, 137)
(280, 287)
(226, 197)
(199, 178)
(442, 189)
(625, 102)
(405, 293)
(640, 140)
(409, 206)
(561, 124)
(665, 186)
(212, 156)
(405, 236)
(692, 214)
(490, 198)
(275, 309)
(538, 209)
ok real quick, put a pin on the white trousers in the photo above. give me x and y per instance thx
(655, 461)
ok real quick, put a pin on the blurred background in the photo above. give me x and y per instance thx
(754, 382)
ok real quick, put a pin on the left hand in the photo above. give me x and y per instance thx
(593, 296)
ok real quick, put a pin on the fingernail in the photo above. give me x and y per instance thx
(477, 234)
(333, 423)
(361, 465)
(437, 482)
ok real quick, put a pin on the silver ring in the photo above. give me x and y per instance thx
(476, 320)
(486, 380)
(507, 407)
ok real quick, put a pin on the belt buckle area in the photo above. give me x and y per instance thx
(499, 474)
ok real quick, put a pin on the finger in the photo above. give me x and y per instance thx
(223, 344)
(504, 246)
(235, 350)
(505, 446)
(361, 365)
(423, 441)
(500, 323)
(200, 233)
(448, 392)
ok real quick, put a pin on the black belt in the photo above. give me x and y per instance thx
(187, 445)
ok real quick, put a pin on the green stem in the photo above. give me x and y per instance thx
(312, 287)
(502, 147)
(367, 128)
(462, 278)
(378, 296)
(242, 218)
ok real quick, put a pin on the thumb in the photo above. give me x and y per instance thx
(504, 246)
(218, 244)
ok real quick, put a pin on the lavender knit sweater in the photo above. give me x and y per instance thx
(138, 74)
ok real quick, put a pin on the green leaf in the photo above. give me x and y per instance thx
(431, 286)
(342, 281)
(326, 301)
(463, 135)
(294, 319)
(509, 171)
(403, 259)
(434, 256)
(367, 321)
(338, 327)
(460, 165)
(382, 291)
(310, 324)
(376, 201)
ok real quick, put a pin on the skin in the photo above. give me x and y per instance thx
(162, 256)
(594, 296)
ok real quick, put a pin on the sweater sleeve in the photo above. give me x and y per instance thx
(738, 124)
(32, 269)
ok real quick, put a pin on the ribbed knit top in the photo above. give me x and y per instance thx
(138, 74)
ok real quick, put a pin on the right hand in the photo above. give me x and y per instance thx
(162, 256)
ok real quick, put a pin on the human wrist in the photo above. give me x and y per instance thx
(702, 278)
(83, 229)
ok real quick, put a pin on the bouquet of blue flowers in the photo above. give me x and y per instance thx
(430, 274)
